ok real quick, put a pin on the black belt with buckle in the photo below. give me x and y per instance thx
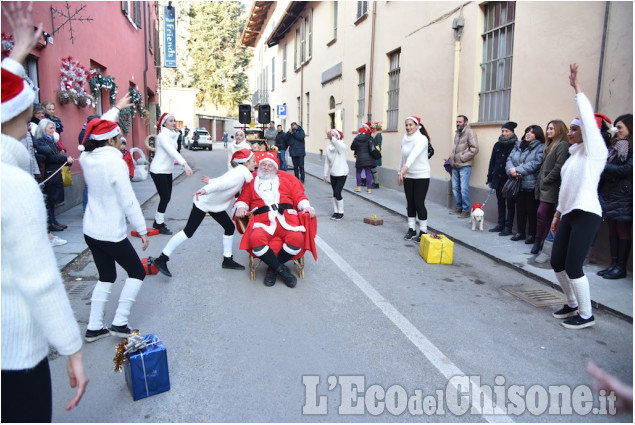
(274, 207)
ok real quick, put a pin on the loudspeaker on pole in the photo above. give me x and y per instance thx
(244, 113)
(264, 114)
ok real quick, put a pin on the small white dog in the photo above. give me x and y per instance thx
(476, 218)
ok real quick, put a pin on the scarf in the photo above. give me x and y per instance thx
(620, 150)
(511, 139)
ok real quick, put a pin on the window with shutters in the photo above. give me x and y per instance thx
(361, 95)
(393, 90)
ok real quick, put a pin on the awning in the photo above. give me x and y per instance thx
(255, 22)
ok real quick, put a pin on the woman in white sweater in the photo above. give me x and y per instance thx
(579, 214)
(336, 166)
(111, 200)
(162, 167)
(214, 198)
(35, 309)
(240, 142)
(414, 175)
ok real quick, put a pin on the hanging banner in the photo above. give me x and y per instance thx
(169, 32)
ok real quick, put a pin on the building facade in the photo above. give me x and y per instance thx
(117, 39)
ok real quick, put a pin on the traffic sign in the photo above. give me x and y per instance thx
(281, 110)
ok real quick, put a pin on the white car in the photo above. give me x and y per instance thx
(204, 140)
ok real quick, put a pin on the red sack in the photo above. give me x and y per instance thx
(151, 232)
(148, 266)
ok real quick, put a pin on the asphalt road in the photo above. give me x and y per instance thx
(372, 333)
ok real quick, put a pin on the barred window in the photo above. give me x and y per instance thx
(334, 14)
(362, 8)
(498, 44)
(393, 91)
(361, 95)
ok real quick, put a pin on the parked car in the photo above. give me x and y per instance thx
(200, 139)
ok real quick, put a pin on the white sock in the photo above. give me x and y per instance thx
(174, 242)
(423, 226)
(126, 299)
(567, 288)
(159, 217)
(340, 206)
(335, 210)
(227, 245)
(97, 304)
(583, 292)
(411, 222)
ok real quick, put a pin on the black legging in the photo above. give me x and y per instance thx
(298, 167)
(416, 191)
(106, 254)
(163, 183)
(337, 184)
(27, 396)
(573, 239)
(526, 210)
(196, 218)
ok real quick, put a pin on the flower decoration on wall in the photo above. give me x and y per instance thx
(7, 44)
(73, 78)
(98, 82)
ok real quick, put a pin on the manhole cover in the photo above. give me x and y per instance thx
(537, 297)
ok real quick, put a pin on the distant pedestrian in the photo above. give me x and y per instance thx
(225, 137)
(270, 135)
(414, 175)
(336, 166)
(579, 214)
(497, 177)
(297, 150)
(162, 167)
(462, 156)
(361, 145)
(281, 144)
(214, 198)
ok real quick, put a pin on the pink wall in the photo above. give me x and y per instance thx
(111, 40)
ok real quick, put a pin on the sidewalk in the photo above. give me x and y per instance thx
(615, 296)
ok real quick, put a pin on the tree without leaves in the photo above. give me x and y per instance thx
(218, 59)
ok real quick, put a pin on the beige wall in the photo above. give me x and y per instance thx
(548, 36)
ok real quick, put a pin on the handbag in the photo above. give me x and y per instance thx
(67, 178)
(510, 188)
(430, 149)
(375, 152)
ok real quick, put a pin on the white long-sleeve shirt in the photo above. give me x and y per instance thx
(220, 192)
(35, 308)
(110, 196)
(582, 170)
(233, 148)
(166, 153)
(335, 162)
(414, 154)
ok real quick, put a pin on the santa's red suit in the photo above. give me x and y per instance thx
(283, 193)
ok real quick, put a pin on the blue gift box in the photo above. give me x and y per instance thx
(147, 369)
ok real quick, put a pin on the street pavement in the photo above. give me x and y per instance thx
(613, 296)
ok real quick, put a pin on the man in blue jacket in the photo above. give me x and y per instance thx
(295, 141)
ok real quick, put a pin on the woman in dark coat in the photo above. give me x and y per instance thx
(54, 187)
(363, 160)
(497, 177)
(616, 197)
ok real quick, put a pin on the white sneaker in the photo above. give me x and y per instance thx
(57, 241)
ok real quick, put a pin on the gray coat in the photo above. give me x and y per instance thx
(527, 163)
(548, 184)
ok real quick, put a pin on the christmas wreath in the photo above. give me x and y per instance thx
(73, 78)
(98, 82)
(126, 115)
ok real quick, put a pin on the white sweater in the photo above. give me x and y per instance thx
(335, 162)
(221, 191)
(582, 170)
(35, 308)
(414, 154)
(166, 153)
(110, 196)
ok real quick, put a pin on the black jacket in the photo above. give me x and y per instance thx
(281, 141)
(616, 189)
(496, 174)
(361, 147)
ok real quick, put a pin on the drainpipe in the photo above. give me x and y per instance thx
(601, 70)
(372, 61)
(145, 55)
(457, 25)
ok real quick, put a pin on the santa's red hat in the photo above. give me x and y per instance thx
(270, 156)
(339, 134)
(598, 120)
(17, 95)
(417, 120)
(98, 129)
(162, 120)
(242, 155)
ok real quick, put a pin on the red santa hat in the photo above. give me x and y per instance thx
(338, 133)
(17, 95)
(598, 120)
(240, 131)
(162, 120)
(98, 129)
(270, 156)
(242, 155)
(417, 120)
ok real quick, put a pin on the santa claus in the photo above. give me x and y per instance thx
(280, 209)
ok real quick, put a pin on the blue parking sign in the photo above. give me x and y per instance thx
(281, 110)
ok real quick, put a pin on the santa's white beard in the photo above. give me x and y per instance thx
(266, 174)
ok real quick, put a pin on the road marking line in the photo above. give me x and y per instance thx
(425, 346)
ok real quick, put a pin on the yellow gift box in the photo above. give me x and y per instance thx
(437, 250)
